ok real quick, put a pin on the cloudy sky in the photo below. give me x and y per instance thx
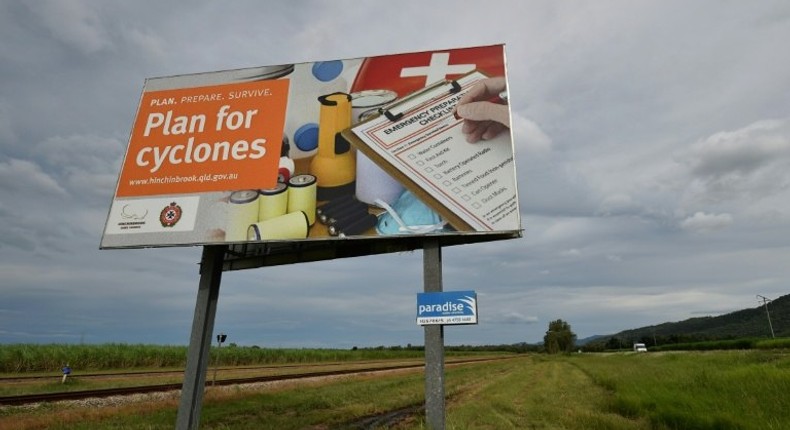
(652, 147)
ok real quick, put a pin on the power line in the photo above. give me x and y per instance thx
(765, 301)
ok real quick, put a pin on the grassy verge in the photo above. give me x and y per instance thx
(527, 392)
(538, 393)
(696, 390)
(683, 390)
(328, 403)
(729, 344)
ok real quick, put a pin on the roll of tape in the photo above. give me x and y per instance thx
(366, 102)
(374, 183)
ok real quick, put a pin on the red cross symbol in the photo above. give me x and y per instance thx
(406, 73)
(437, 69)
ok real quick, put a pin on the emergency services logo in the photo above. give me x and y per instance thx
(170, 215)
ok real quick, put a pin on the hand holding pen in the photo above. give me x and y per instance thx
(484, 110)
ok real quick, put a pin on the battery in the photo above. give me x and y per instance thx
(273, 202)
(328, 206)
(353, 226)
(346, 211)
(293, 225)
(333, 212)
(302, 195)
(242, 211)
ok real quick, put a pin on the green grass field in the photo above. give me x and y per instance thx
(696, 390)
(677, 390)
(30, 358)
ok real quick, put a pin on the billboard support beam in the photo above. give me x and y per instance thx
(434, 339)
(200, 340)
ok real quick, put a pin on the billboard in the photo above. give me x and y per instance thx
(359, 148)
(447, 308)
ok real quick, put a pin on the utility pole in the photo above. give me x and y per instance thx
(766, 300)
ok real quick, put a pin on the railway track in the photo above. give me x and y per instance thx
(155, 373)
(124, 391)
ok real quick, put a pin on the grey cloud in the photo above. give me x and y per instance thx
(630, 123)
(530, 137)
(516, 318)
(75, 23)
(96, 153)
(748, 163)
(85, 165)
(743, 151)
(703, 223)
(27, 178)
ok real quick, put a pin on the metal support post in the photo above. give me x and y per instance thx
(434, 340)
(200, 339)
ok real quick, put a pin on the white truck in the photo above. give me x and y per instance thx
(640, 347)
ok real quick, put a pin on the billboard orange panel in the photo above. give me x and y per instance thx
(210, 138)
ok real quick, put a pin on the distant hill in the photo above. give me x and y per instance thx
(591, 339)
(745, 323)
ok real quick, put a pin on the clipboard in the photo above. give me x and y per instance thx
(394, 112)
(404, 104)
(427, 100)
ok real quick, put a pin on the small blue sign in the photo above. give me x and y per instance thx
(446, 308)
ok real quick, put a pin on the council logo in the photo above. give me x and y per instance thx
(170, 215)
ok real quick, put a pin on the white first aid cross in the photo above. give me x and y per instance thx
(437, 70)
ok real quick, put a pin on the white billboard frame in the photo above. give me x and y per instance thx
(210, 118)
